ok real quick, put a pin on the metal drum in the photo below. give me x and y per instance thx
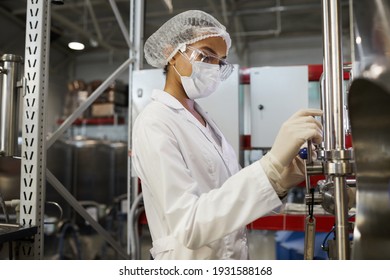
(115, 154)
(90, 173)
(59, 162)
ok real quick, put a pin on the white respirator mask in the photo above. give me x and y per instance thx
(204, 80)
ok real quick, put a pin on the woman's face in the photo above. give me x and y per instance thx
(214, 45)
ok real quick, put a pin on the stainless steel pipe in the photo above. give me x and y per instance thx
(334, 118)
(333, 76)
(9, 104)
(325, 83)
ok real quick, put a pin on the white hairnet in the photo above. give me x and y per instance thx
(183, 29)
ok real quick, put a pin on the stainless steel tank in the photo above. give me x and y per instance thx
(59, 162)
(115, 153)
(90, 179)
(9, 104)
(92, 169)
(369, 109)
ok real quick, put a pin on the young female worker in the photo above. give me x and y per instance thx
(197, 198)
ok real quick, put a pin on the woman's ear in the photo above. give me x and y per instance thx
(171, 63)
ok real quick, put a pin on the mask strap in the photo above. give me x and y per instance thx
(184, 55)
(176, 71)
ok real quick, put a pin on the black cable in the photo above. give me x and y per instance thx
(311, 205)
(323, 246)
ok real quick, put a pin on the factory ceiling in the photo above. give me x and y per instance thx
(94, 21)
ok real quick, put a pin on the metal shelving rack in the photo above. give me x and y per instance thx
(34, 142)
(33, 162)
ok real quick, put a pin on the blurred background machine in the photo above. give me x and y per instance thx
(10, 80)
(94, 171)
(369, 103)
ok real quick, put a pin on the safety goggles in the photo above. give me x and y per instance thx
(225, 67)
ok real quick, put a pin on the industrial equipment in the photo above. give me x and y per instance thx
(365, 168)
(9, 103)
(10, 83)
(334, 160)
(369, 103)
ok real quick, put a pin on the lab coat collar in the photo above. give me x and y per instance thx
(166, 99)
(170, 101)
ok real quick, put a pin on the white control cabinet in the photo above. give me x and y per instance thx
(222, 106)
(276, 93)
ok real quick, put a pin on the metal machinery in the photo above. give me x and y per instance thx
(334, 160)
(369, 103)
(10, 97)
(369, 160)
(27, 231)
(11, 83)
(94, 172)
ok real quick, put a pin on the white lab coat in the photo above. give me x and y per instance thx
(197, 200)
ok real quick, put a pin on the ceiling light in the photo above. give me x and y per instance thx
(93, 43)
(77, 46)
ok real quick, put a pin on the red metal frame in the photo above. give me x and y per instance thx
(292, 222)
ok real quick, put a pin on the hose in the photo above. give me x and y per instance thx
(59, 209)
(69, 227)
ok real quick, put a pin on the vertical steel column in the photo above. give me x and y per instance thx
(336, 74)
(326, 97)
(135, 52)
(337, 165)
(33, 162)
